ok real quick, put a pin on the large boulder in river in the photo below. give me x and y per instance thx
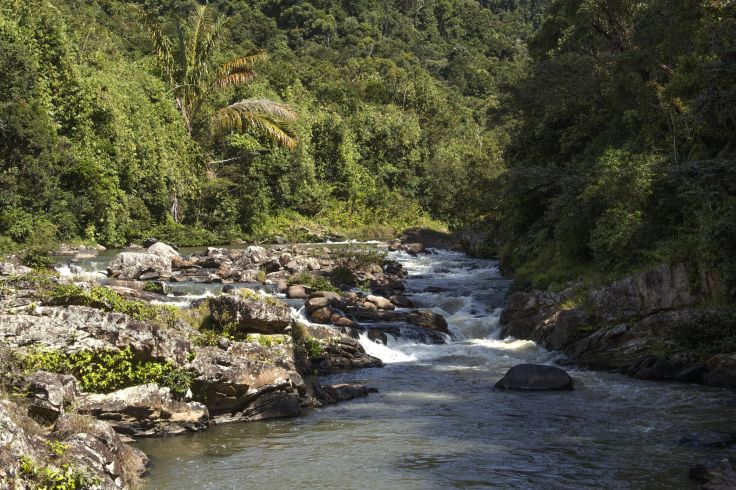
(535, 377)
(249, 311)
(251, 256)
(132, 265)
(163, 250)
(429, 320)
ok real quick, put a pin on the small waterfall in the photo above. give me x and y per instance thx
(73, 272)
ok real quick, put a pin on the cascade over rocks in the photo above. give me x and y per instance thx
(341, 352)
(535, 377)
(347, 309)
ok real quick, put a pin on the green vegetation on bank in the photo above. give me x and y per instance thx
(622, 154)
(107, 135)
(590, 138)
(104, 372)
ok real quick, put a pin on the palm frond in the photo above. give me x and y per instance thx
(162, 44)
(239, 70)
(270, 119)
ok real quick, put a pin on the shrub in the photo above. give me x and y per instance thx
(355, 258)
(103, 372)
(714, 333)
(66, 477)
(313, 281)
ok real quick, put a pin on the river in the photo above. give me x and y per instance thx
(436, 421)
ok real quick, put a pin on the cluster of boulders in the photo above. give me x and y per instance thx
(228, 266)
(627, 326)
(376, 315)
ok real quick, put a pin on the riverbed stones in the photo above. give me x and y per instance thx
(248, 311)
(10, 269)
(413, 249)
(335, 393)
(76, 328)
(535, 377)
(429, 320)
(90, 444)
(296, 292)
(380, 302)
(717, 474)
(401, 301)
(132, 265)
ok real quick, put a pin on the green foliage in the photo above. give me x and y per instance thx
(103, 372)
(618, 156)
(154, 287)
(314, 348)
(178, 381)
(208, 337)
(267, 341)
(65, 477)
(181, 235)
(313, 281)
(251, 295)
(301, 337)
(713, 334)
(359, 258)
(57, 448)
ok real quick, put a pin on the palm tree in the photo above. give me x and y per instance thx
(186, 64)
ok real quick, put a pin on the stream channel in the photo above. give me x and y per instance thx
(436, 421)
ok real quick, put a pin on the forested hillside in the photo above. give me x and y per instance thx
(624, 154)
(588, 137)
(391, 102)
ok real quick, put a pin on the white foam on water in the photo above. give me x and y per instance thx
(76, 273)
(385, 353)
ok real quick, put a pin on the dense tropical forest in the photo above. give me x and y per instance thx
(582, 136)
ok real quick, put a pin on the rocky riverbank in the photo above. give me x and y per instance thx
(88, 366)
(656, 325)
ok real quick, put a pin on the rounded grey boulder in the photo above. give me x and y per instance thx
(535, 377)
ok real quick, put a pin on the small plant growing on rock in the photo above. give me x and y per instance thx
(57, 448)
(178, 381)
(251, 295)
(313, 281)
(314, 348)
(66, 477)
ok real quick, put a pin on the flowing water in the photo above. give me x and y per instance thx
(436, 421)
